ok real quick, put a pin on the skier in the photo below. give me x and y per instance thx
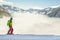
(9, 23)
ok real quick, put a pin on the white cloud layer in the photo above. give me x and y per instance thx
(5, 2)
(27, 23)
(27, 7)
(55, 6)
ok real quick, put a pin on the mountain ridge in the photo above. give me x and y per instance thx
(50, 11)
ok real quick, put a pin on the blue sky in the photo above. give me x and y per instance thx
(35, 3)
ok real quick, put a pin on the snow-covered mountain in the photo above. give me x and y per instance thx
(50, 11)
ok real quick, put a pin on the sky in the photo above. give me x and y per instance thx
(31, 3)
(34, 3)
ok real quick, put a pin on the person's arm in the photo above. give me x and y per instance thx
(8, 23)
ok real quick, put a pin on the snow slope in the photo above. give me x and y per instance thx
(29, 37)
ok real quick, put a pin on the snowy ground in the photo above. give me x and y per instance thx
(29, 37)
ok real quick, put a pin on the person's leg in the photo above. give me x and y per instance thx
(10, 31)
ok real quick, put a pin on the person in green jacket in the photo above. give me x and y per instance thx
(9, 23)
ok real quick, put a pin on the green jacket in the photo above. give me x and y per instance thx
(9, 23)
